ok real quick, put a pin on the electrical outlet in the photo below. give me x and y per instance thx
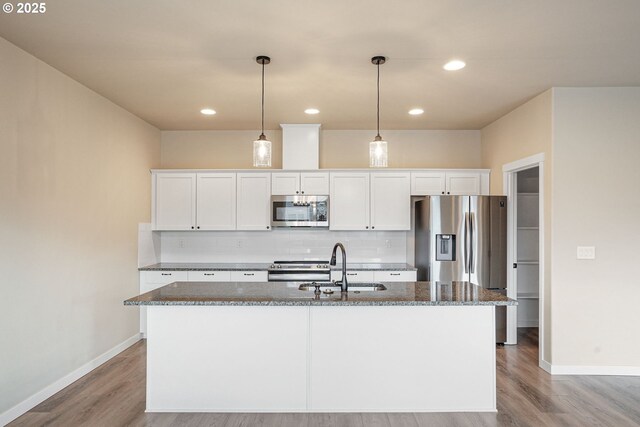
(240, 244)
(586, 252)
(181, 243)
(387, 243)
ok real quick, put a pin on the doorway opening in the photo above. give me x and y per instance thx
(524, 187)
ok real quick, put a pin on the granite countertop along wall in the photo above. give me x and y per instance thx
(200, 266)
(287, 294)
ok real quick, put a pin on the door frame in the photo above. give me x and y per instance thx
(509, 171)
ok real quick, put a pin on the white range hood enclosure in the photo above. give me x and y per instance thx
(300, 146)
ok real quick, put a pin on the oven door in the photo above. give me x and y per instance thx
(299, 211)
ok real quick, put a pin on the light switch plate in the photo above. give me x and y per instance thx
(586, 252)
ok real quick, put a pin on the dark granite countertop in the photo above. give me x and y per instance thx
(205, 266)
(287, 294)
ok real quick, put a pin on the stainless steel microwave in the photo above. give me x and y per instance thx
(300, 211)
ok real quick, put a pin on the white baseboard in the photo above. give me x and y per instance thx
(545, 365)
(593, 370)
(34, 400)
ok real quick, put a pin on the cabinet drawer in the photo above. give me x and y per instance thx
(165, 277)
(209, 276)
(394, 276)
(248, 276)
(353, 276)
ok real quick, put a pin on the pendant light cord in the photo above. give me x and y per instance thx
(263, 97)
(378, 104)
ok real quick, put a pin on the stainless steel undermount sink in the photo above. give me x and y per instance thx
(331, 287)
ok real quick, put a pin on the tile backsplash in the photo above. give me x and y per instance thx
(268, 246)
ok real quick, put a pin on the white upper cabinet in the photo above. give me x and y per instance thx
(253, 199)
(174, 201)
(391, 201)
(314, 183)
(463, 183)
(469, 183)
(428, 183)
(285, 183)
(349, 201)
(293, 183)
(216, 201)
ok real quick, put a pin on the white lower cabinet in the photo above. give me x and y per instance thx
(394, 276)
(358, 276)
(249, 276)
(150, 280)
(209, 276)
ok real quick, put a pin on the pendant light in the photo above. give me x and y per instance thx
(262, 146)
(378, 154)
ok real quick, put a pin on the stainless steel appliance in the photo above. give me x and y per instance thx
(299, 271)
(300, 211)
(464, 238)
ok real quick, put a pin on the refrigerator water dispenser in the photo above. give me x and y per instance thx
(445, 247)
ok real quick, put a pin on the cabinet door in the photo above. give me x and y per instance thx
(253, 199)
(463, 183)
(174, 201)
(249, 276)
(285, 183)
(394, 276)
(353, 276)
(428, 183)
(314, 183)
(216, 201)
(390, 201)
(209, 276)
(349, 201)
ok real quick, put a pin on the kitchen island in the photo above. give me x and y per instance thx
(269, 347)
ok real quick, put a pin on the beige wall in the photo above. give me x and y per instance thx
(596, 202)
(523, 132)
(338, 149)
(74, 184)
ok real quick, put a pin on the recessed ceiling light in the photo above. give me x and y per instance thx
(312, 111)
(454, 65)
(208, 111)
(416, 111)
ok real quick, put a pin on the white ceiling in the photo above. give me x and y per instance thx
(164, 60)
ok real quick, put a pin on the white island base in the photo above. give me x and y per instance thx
(321, 358)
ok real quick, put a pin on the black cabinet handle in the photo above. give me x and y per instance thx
(443, 192)
(198, 227)
(303, 192)
(192, 227)
(209, 274)
(249, 274)
(367, 227)
(165, 274)
(394, 274)
(267, 227)
(448, 192)
(297, 192)
(373, 226)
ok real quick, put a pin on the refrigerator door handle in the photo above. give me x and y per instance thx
(472, 261)
(466, 243)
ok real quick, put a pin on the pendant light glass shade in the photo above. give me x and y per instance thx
(262, 152)
(378, 152)
(262, 146)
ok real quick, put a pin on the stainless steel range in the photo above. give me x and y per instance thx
(300, 271)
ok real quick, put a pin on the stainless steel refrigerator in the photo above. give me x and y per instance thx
(464, 238)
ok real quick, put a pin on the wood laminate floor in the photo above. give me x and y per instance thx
(114, 395)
